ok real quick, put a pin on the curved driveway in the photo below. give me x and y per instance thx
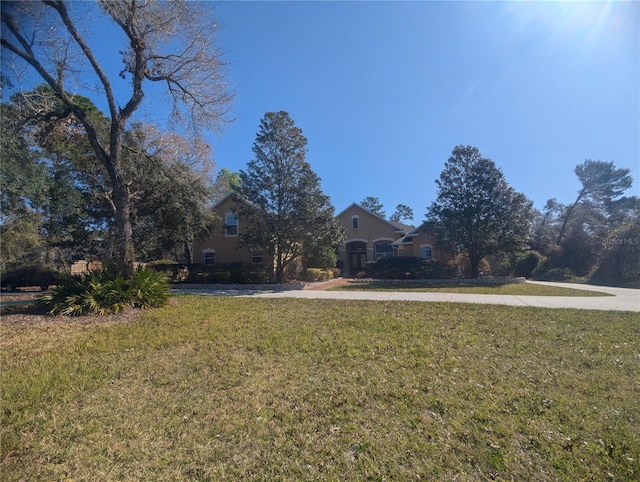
(622, 299)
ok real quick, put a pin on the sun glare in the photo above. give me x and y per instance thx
(583, 26)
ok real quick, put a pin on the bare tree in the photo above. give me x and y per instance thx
(171, 44)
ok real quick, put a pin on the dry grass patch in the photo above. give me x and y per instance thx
(283, 389)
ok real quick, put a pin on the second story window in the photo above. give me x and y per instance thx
(354, 222)
(231, 224)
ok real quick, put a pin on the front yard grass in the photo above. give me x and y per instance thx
(516, 289)
(282, 389)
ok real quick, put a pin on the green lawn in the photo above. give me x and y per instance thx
(282, 389)
(530, 289)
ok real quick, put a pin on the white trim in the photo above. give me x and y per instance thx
(207, 251)
(356, 240)
(237, 225)
(426, 245)
(384, 238)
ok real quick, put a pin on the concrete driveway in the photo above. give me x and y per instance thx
(622, 299)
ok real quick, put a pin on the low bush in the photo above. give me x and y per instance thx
(221, 276)
(102, 293)
(34, 275)
(258, 277)
(171, 269)
(525, 263)
(231, 273)
(408, 268)
(317, 274)
(558, 274)
(619, 263)
(147, 289)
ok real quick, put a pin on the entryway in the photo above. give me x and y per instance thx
(357, 257)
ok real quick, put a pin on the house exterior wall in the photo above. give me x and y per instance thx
(422, 239)
(225, 248)
(360, 242)
(370, 230)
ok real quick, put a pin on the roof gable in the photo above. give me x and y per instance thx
(398, 227)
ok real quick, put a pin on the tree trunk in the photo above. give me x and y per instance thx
(124, 250)
(474, 260)
(567, 215)
(188, 254)
(279, 268)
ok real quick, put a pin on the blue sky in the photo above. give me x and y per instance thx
(384, 91)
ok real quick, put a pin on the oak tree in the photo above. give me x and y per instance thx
(476, 208)
(171, 44)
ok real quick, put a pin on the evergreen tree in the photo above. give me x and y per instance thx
(289, 210)
(477, 209)
(373, 205)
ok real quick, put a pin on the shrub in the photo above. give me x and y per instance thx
(221, 276)
(34, 275)
(317, 274)
(433, 269)
(148, 289)
(558, 274)
(171, 269)
(96, 292)
(240, 276)
(259, 277)
(102, 293)
(525, 263)
(619, 264)
(405, 267)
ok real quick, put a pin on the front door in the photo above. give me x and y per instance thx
(357, 257)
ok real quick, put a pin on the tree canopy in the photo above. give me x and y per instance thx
(601, 183)
(55, 189)
(289, 210)
(402, 213)
(166, 43)
(476, 208)
(373, 205)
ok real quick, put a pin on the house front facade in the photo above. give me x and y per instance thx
(369, 237)
(421, 243)
(221, 247)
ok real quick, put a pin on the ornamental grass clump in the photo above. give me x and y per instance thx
(103, 293)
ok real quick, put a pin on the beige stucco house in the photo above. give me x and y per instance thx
(369, 237)
(221, 247)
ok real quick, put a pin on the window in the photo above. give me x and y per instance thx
(354, 222)
(231, 224)
(256, 256)
(384, 250)
(209, 257)
(426, 252)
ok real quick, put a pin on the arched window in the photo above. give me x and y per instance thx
(383, 249)
(354, 222)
